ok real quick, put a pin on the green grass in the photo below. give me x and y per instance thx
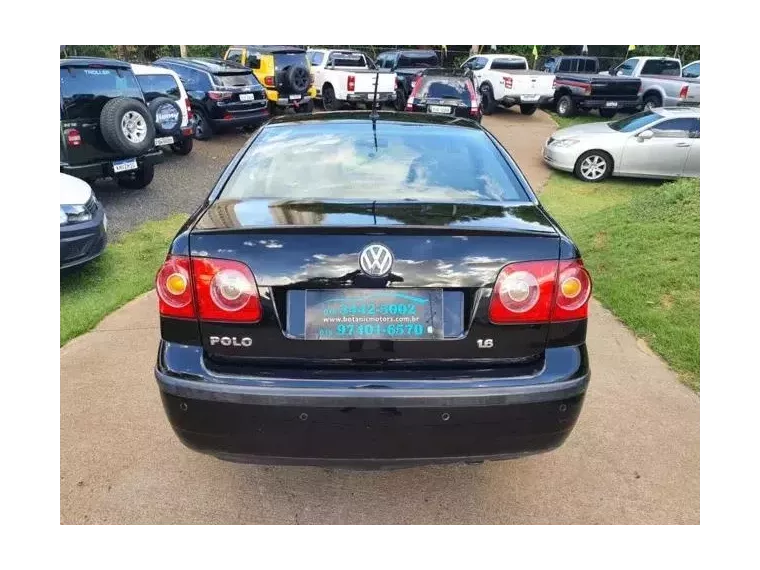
(590, 117)
(125, 270)
(640, 241)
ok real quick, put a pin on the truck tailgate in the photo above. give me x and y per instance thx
(531, 83)
(365, 82)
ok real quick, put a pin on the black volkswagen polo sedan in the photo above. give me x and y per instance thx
(372, 292)
(445, 92)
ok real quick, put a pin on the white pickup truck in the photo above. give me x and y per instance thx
(342, 76)
(507, 80)
(661, 81)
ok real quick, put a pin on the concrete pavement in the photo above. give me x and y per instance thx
(633, 457)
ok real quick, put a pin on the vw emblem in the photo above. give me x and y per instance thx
(376, 260)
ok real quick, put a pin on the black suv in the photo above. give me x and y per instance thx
(222, 93)
(441, 91)
(106, 127)
(407, 64)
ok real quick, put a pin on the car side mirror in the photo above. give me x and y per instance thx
(645, 135)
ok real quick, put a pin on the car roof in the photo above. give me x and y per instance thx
(272, 49)
(678, 111)
(140, 69)
(94, 62)
(209, 64)
(504, 55)
(383, 116)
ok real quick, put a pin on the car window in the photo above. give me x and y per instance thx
(397, 161)
(476, 63)
(417, 60)
(564, 65)
(691, 70)
(84, 91)
(191, 79)
(509, 64)
(235, 80)
(235, 55)
(680, 128)
(445, 88)
(635, 122)
(661, 67)
(345, 59)
(315, 57)
(627, 67)
(161, 85)
(588, 66)
(283, 60)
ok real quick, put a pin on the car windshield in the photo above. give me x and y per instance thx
(635, 122)
(235, 80)
(445, 88)
(84, 91)
(417, 60)
(347, 160)
(285, 59)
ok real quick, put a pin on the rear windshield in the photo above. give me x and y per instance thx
(154, 86)
(661, 67)
(445, 88)
(283, 60)
(509, 64)
(84, 91)
(235, 80)
(635, 122)
(345, 161)
(346, 60)
(417, 60)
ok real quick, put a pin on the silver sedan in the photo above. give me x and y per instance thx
(659, 143)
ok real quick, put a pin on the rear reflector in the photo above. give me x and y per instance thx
(219, 290)
(540, 292)
(684, 92)
(73, 138)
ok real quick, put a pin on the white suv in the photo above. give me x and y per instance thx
(169, 105)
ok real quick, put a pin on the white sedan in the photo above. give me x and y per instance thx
(659, 143)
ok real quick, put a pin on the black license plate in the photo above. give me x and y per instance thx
(384, 314)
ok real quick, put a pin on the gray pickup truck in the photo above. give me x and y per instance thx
(661, 81)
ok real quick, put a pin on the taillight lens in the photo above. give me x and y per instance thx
(225, 290)
(219, 95)
(73, 137)
(539, 292)
(684, 92)
(416, 84)
(351, 82)
(474, 103)
(219, 289)
(554, 84)
(269, 81)
(189, 109)
(587, 90)
(174, 288)
(508, 82)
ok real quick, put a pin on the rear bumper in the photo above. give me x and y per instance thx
(104, 168)
(518, 100)
(83, 242)
(608, 103)
(281, 420)
(368, 97)
(242, 119)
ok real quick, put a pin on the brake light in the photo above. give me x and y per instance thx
(219, 95)
(73, 138)
(474, 107)
(269, 80)
(351, 82)
(539, 292)
(587, 90)
(507, 82)
(684, 92)
(218, 289)
(189, 109)
(415, 89)
(228, 117)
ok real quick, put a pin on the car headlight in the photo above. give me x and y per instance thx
(564, 143)
(74, 213)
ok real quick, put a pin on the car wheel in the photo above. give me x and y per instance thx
(528, 109)
(184, 147)
(565, 106)
(593, 166)
(137, 179)
(487, 102)
(127, 126)
(607, 113)
(329, 101)
(652, 101)
(202, 126)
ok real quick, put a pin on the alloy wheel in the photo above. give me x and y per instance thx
(134, 127)
(593, 167)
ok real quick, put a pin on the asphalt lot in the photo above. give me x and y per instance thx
(633, 458)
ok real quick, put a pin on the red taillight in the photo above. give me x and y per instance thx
(175, 289)
(507, 82)
(539, 292)
(587, 90)
(73, 138)
(219, 95)
(416, 84)
(351, 82)
(474, 107)
(684, 92)
(228, 116)
(219, 289)
(554, 84)
(189, 109)
(269, 81)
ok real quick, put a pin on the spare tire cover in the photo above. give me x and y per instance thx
(166, 114)
(298, 78)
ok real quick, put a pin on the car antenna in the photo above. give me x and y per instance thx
(374, 115)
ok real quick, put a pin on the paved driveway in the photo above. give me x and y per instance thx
(633, 457)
